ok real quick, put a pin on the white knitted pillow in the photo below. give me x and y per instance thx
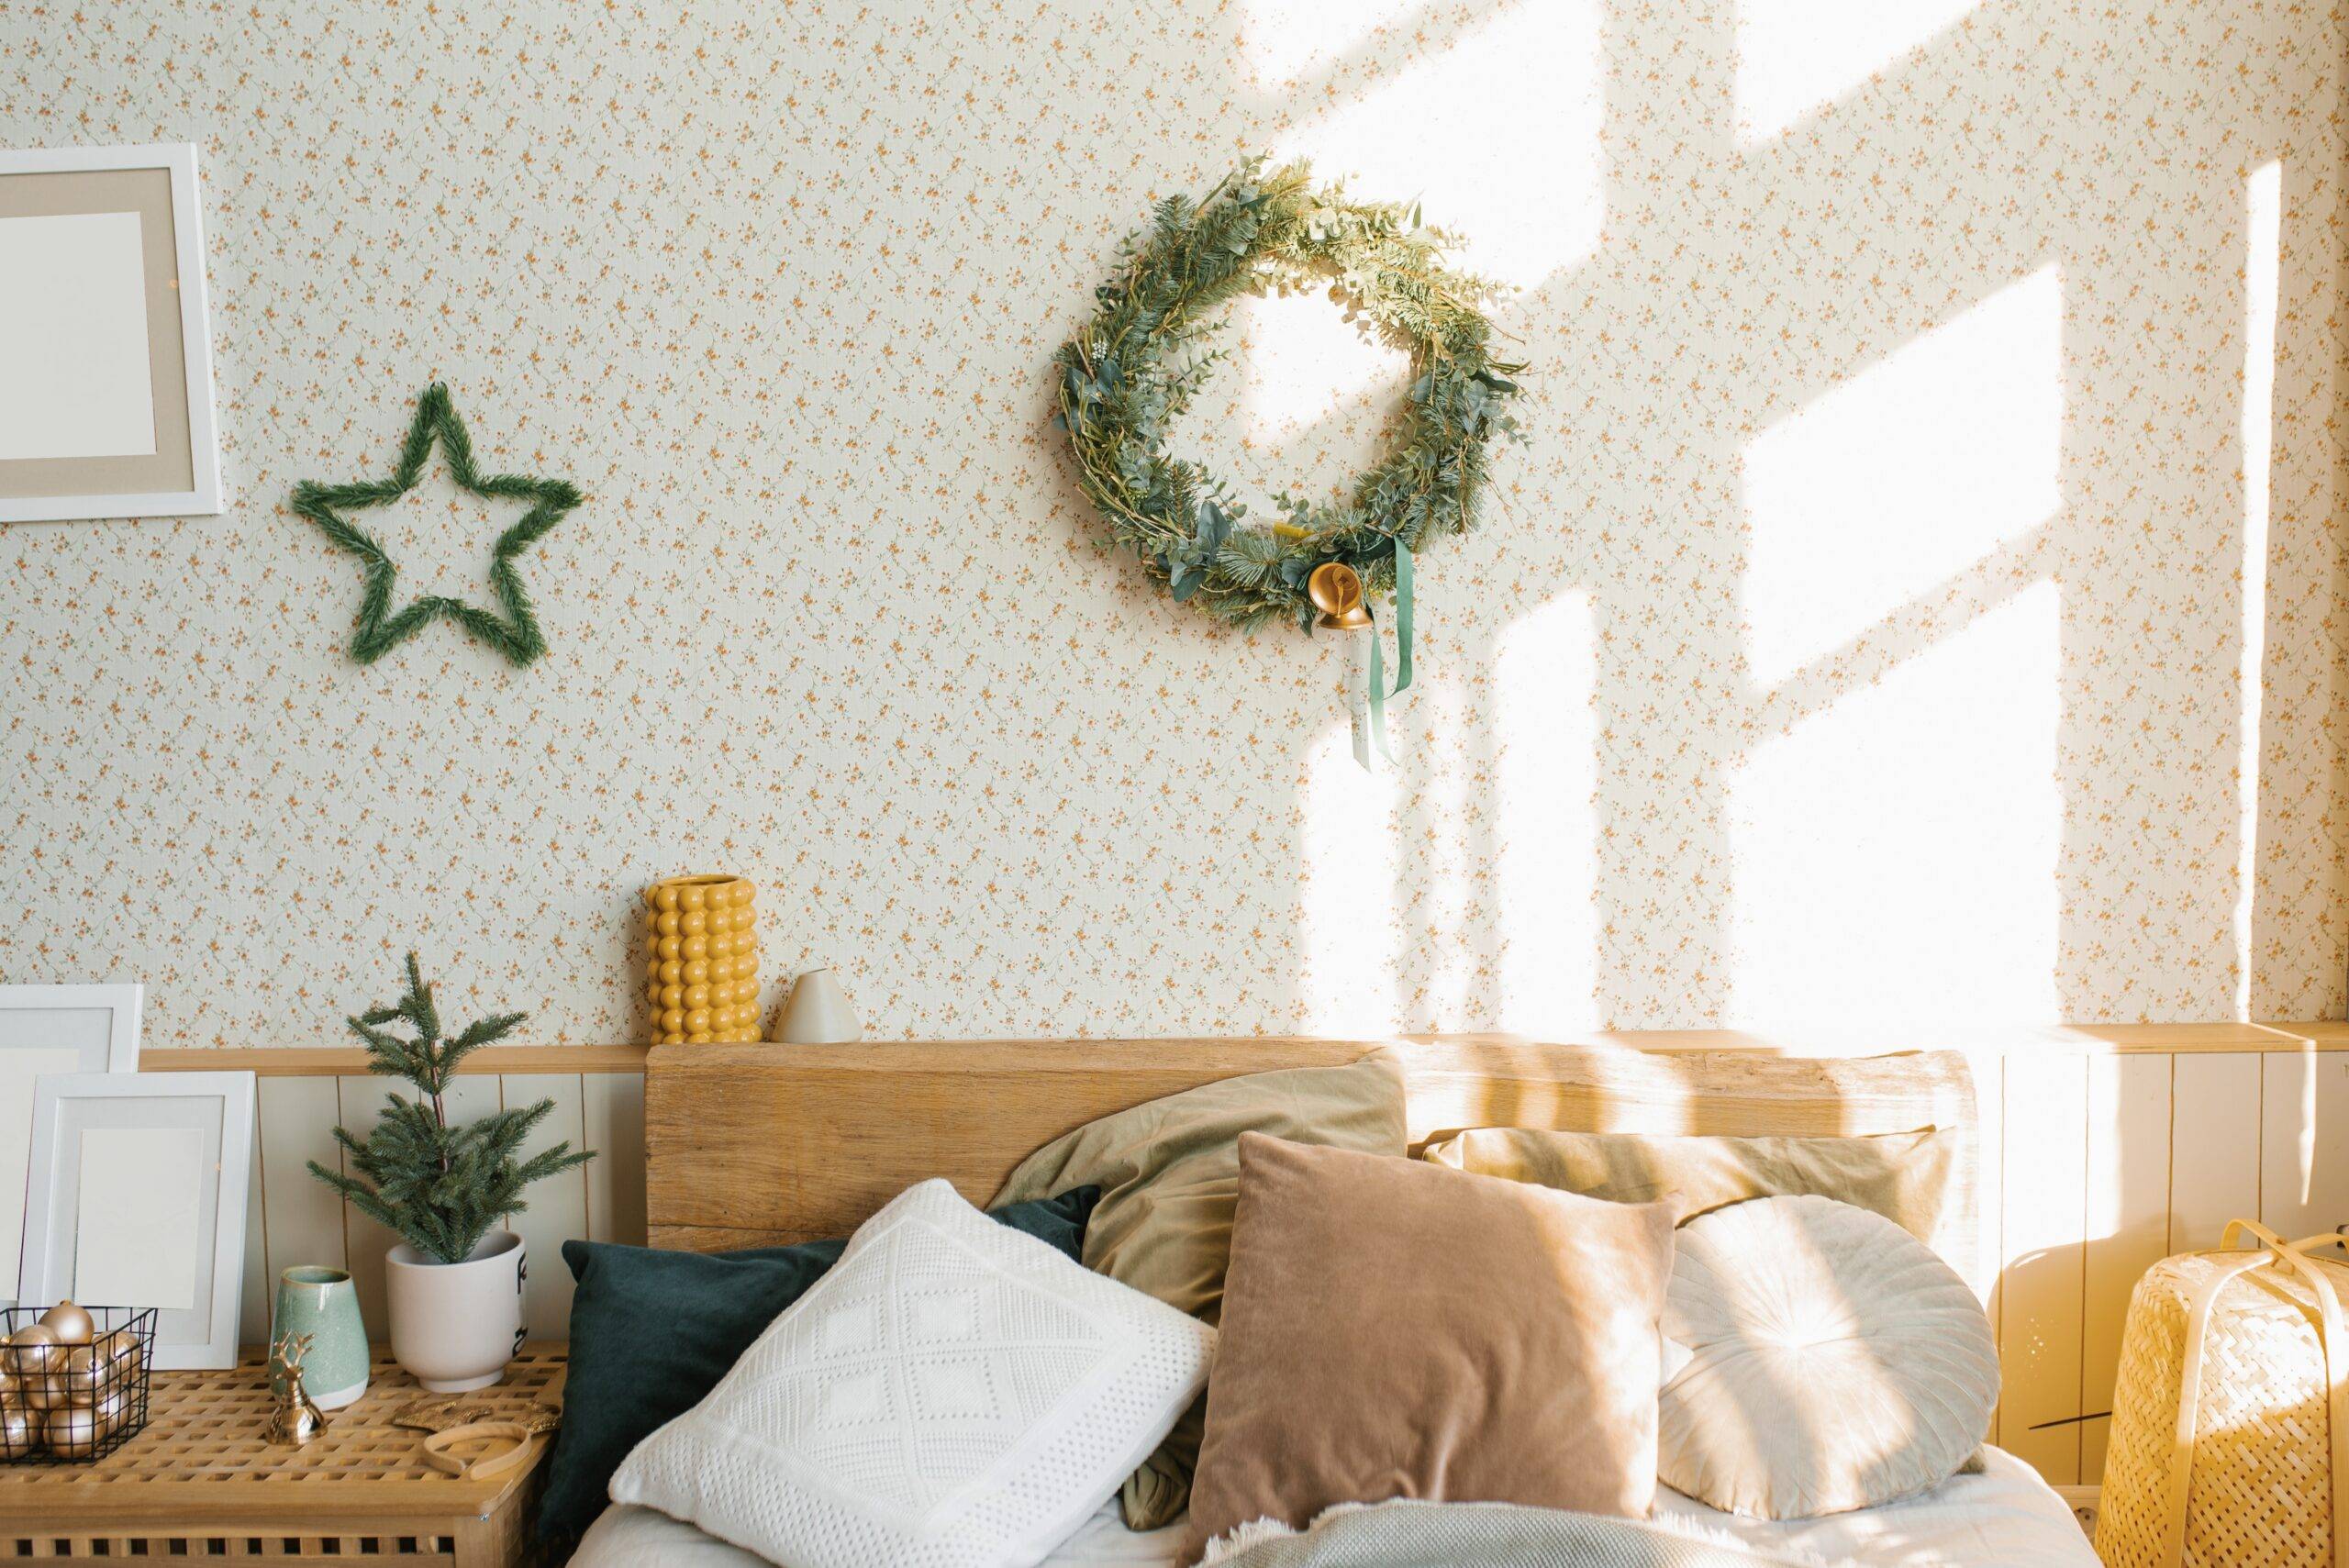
(1838, 1361)
(953, 1394)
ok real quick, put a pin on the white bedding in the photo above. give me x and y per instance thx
(2005, 1518)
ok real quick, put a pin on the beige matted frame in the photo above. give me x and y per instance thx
(181, 477)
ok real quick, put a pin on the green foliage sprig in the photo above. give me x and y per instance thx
(1140, 361)
(441, 1187)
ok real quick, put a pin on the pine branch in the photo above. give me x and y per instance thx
(441, 1187)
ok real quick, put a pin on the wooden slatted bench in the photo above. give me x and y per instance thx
(201, 1482)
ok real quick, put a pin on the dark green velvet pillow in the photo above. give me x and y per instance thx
(652, 1331)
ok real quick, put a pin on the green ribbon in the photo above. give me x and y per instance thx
(1402, 617)
(1378, 689)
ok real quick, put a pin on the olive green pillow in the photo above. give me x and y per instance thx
(1169, 1174)
(1907, 1177)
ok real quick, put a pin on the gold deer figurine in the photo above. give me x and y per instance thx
(296, 1419)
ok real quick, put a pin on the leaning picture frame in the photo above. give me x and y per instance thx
(103, 307)
(48, 1029)
(137, 1194)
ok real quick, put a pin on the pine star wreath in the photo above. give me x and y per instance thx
(1142, 358)
(515, 633)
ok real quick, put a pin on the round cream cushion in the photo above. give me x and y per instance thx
(1837, 1362)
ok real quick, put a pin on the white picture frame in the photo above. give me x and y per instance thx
(175, 1150)
(46, 1030)
(67, 183)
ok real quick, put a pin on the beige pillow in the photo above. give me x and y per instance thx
(1393, 1329)
(1907, 1177)
(1169, 1174)
(1837, 1362)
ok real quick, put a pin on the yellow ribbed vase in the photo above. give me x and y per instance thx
(701, 977)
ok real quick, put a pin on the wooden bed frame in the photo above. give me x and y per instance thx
(757, 1145)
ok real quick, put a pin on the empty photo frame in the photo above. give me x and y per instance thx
(137, 1199)
(50, 1030)
(105, 410)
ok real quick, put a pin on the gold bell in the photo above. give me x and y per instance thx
(1335, 589)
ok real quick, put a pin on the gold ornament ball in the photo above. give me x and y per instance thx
(71, 1432)
(111, 1409)
(20, 1431)
(32, 1352)
(45, 1391)
(69, 1323)
(82, 1375)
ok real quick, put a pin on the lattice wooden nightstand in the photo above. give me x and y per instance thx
(200, 1482)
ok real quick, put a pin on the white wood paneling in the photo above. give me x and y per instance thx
(2214, 1147)
(2304, 1143)
(2045, 1200)
(302, 1217)
(260, 1287)
(556, 1208)
(363, 1098)
(615, 1119)
(2128, 1221)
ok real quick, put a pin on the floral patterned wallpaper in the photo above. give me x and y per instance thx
(1861, 634)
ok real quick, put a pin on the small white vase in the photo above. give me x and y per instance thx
(455, 1325)
(817, 1013)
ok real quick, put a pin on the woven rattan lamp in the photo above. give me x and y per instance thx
(2231, 1417)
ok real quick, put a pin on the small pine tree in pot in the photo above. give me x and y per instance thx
(455, 1281)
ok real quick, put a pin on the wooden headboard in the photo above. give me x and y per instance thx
(756, 1145)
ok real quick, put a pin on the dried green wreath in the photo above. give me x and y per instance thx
(1140, 359)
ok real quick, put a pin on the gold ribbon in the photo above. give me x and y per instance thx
(2293, 1255)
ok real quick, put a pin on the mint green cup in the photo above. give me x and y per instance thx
(323, 1304)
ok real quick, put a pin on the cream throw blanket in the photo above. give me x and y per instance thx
(1487, 1535)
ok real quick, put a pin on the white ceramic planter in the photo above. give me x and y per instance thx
(455, 1325)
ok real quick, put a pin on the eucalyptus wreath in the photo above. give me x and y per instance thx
(1138, 363)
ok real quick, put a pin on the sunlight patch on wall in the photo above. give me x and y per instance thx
(1795, 56)
(1346, 980)
(1284, 39)
(1305, 363)
(1305, 404)
(1546, 822)
(1894, 855)
(2263, 262)
(1913, 469)
(1499, 135)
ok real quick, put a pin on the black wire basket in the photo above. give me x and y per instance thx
(80, 1395)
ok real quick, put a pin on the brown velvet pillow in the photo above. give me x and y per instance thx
(1393, 1328)
(1169, 1174)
